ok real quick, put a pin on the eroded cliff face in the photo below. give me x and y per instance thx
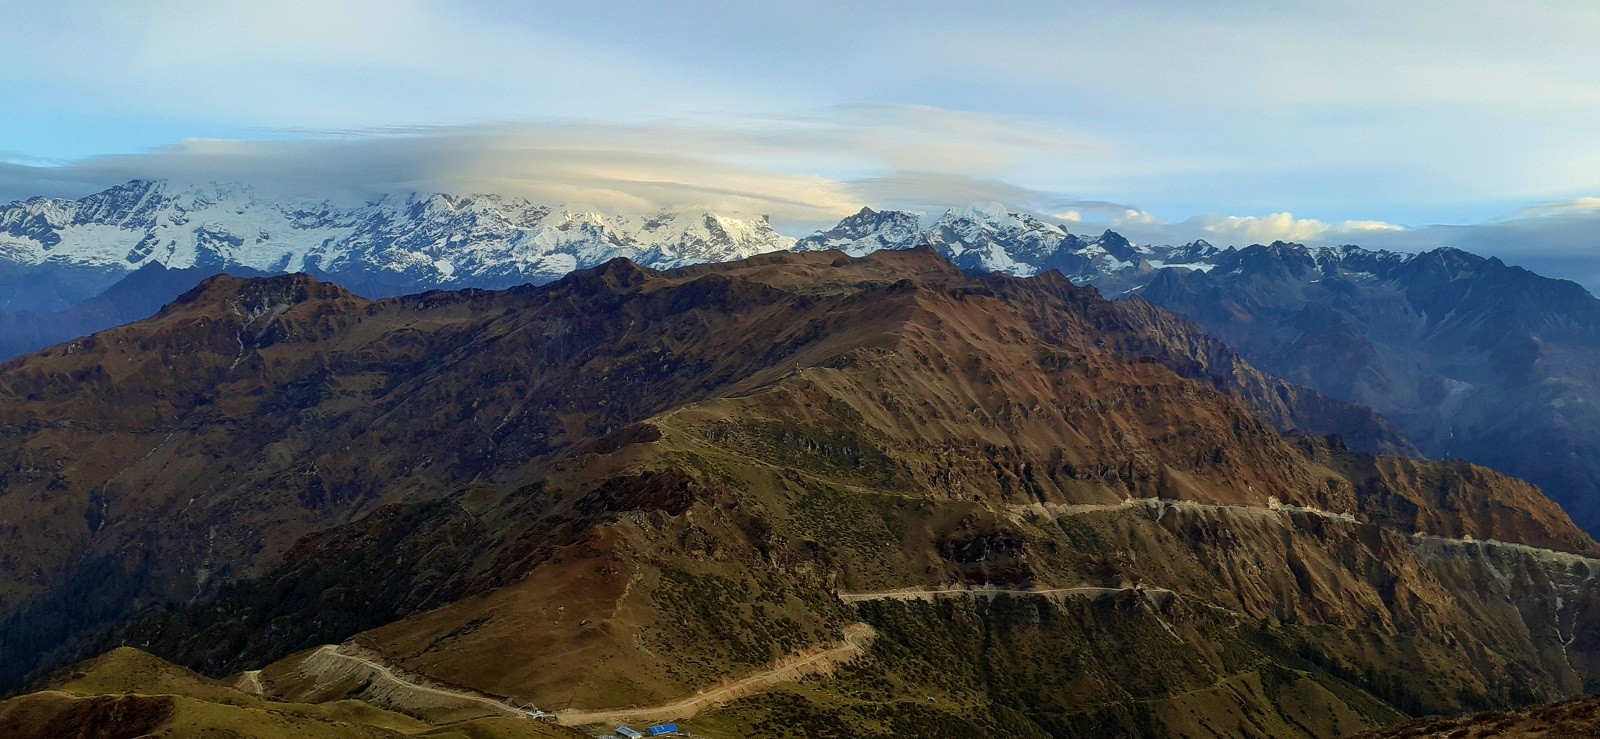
(1553, 594)
(629, 486)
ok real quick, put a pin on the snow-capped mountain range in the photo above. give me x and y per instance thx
(394, 244)
(57, 253)
(992, 238)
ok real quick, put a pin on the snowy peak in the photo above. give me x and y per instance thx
(995, 218)
(984, 237)
(394, 243)
(144, 222)
(686, 238)
(494, 242)
(867, 231)
(410, 242)
(990, 237)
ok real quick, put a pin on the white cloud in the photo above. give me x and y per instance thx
(1337, 107)
(1362, 226)
(804, 171)
(1243, 230)
(768, 166)
(1575, 206)
(1135, 217)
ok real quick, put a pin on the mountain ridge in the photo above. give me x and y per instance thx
(1365, 327)
(677, 473)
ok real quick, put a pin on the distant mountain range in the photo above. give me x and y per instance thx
(990, 238)
(1466, 356)
(59, 259)
(55, 253)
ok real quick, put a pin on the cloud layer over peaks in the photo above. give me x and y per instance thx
(802, 170)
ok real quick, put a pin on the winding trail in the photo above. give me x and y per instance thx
(922, 593)
(794, 667)
(856, 637)
(333, 658)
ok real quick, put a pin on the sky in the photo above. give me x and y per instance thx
(1401, 125)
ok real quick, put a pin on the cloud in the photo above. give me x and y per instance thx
(1564, 231)
(925, 138)
(1232, 230)
(1576, 206)
(925, 192)
(805, 171)
(1285, 227)
(1135, 217)
(1416, 111)
(559, 164)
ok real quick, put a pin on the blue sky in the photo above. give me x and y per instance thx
(1339, 121)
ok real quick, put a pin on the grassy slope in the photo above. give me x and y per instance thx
(1282, 627)
(128, 692)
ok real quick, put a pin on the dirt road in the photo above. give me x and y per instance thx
(787, 669)
(331, 660)
(920, 593)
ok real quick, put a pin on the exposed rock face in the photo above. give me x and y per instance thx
(627, 486)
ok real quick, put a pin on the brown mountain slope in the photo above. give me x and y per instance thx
(128, 693)
(628, 487)
(160, 459)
